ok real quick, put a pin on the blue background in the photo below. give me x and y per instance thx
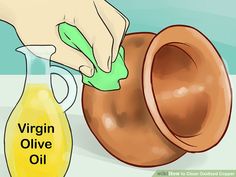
(215, 18)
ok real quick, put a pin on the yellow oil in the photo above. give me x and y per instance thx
(38, 107)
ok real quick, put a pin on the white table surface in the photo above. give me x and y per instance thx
(89, 159)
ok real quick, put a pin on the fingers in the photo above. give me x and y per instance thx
(116, 23)
(102, 48)
(97, 34)
(73, 58)
(104, 27)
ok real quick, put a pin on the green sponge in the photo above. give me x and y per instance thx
(101, 80)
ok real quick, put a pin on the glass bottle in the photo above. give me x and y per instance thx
(38, 140)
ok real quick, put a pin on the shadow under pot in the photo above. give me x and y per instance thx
(176, 99)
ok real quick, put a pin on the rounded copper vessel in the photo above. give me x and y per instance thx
(176, 99)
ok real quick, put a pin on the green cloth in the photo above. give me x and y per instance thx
(101, 80)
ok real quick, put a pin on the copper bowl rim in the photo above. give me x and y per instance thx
(150, 100)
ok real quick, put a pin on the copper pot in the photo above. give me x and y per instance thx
(176, 99)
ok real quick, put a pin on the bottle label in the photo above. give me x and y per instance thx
(34, 143)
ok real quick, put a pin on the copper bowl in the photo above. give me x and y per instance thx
(176, 99)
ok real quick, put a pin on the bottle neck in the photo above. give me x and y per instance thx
(37, 63)
(38, 71)
(38, 79)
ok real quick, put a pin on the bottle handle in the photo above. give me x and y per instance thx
(72, 88)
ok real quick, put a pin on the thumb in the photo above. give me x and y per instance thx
(73, 58)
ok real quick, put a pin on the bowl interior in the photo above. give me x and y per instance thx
(182, 101)
(187, 89)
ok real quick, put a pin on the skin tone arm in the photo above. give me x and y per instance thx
(36, 23)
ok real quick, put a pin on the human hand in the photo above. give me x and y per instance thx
(36, 22)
